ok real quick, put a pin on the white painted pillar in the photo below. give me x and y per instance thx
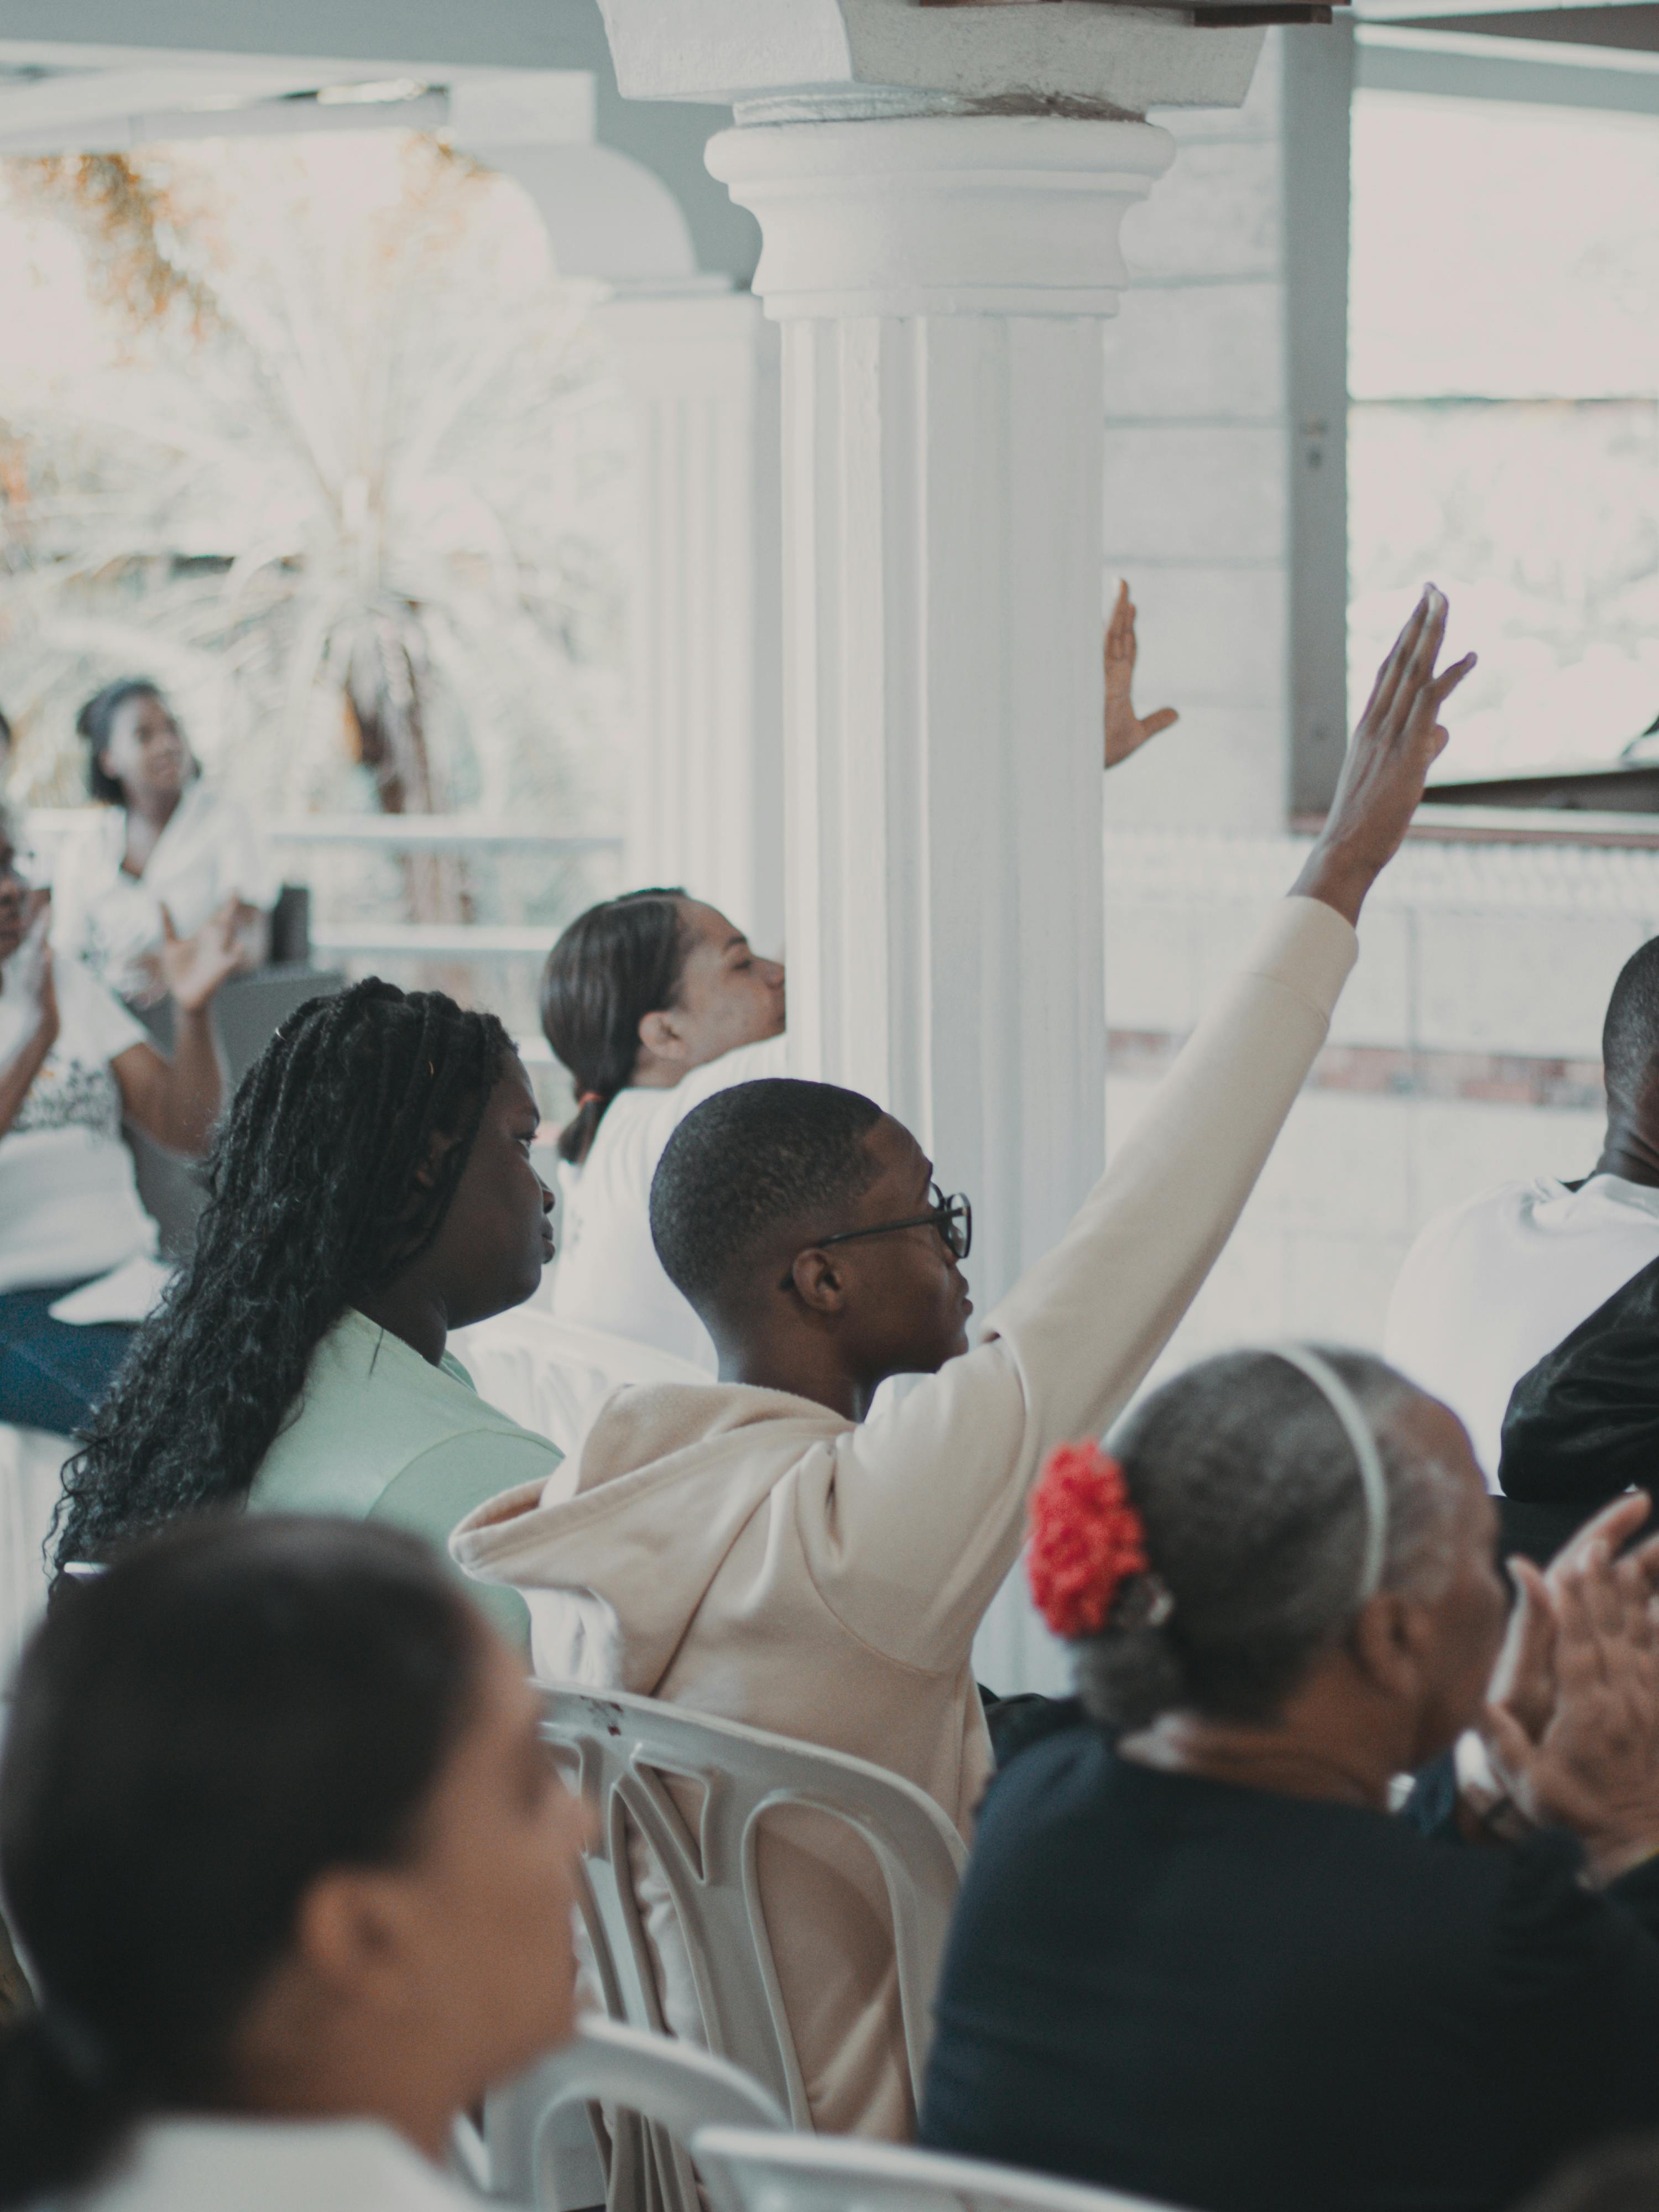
(705, 782)
(940, 192)
(940, 280)
(706, 790)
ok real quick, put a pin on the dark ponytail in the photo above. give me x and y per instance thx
(238, 1706)
(615, 964)
(95, 722)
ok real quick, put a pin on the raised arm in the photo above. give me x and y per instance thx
(923, 1507)
(176, 1100)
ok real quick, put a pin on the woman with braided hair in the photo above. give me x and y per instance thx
(371, 1190)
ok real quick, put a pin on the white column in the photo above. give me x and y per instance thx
(705, 780)
(705, 788)
(940, 281)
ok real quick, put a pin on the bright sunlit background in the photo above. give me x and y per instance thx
(1504, 437)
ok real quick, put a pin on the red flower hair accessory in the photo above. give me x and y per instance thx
(1087, 1539)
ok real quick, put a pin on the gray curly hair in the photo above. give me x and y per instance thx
(1255, 1525)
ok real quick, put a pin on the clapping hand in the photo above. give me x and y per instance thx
(1523, 1681)
(193, 968)
(1125, 732)
(1594, 1764)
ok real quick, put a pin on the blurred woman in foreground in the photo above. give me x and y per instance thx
(290, 1869)
(1195, 1958)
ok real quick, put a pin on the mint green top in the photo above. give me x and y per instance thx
(382, 1435)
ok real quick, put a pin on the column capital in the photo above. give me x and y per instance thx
(1008, 215)
(789, 60)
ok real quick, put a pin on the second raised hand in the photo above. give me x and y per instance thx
(1125, 731)
(1396, 742)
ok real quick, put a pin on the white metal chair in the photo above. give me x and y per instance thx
(539, 2147)
(619, 1750)
(31, 1481)
(748, 2172)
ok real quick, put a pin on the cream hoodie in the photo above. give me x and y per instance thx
(770, 1562)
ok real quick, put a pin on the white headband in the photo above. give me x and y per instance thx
(1358, 1430)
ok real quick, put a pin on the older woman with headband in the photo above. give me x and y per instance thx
(1196, 1958)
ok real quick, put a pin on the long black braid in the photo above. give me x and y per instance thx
(312, 1204)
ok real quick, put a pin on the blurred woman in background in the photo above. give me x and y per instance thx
(653, 1002)
(73, 1063)
(160, 838)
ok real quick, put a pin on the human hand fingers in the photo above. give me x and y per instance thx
(169, 934)
(1121, 632)
(1163, 720)
(1524, 1680)
(1579, 1663)
(1415, 677)
(1396, 660)
(1613, 1526)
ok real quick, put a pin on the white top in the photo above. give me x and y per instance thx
(609, 1276)
(1492, 1285)
(204, 2165)
(209, 852)
(68, 1204)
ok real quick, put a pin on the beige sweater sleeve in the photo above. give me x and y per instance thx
(914, 1518)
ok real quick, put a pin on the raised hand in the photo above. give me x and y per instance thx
(193, 968)
(1398, 740)
(1125, 732)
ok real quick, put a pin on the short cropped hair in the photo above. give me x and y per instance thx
(744, 1164)
(1629, 1034)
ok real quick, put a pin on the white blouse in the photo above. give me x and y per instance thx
(608, 1274)
(69, 1203)
(213, 2164)
(209, 852)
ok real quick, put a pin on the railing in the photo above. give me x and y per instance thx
(407, 833)
(404, 832)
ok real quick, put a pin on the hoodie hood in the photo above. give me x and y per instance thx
(666, 1479)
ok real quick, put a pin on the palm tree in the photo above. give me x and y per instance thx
(348, 462)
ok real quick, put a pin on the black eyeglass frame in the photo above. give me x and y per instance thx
(953, 1217)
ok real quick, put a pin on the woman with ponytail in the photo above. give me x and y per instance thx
(291, 1873)
(653, 1002)
(371, 1190)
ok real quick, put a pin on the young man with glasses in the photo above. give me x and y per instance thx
(762, 1551)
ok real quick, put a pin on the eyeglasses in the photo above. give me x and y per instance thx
(953, 1217)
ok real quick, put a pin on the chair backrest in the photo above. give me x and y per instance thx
(532, 2160)
(621, 1752)
(248, 1011)
(746, 2171)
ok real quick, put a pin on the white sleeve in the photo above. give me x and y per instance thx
(919, 1512)
(750, 1063)
(92, 1015)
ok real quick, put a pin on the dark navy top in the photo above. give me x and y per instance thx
(1238, 2001)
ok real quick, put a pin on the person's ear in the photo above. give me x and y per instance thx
(661, 1036)
(353, 1937)
(439, 1141)
(821, 1286)
(1391, 1641)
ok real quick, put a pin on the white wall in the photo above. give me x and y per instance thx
(1473, 1021)
(1470, 951)
(1197, 456)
